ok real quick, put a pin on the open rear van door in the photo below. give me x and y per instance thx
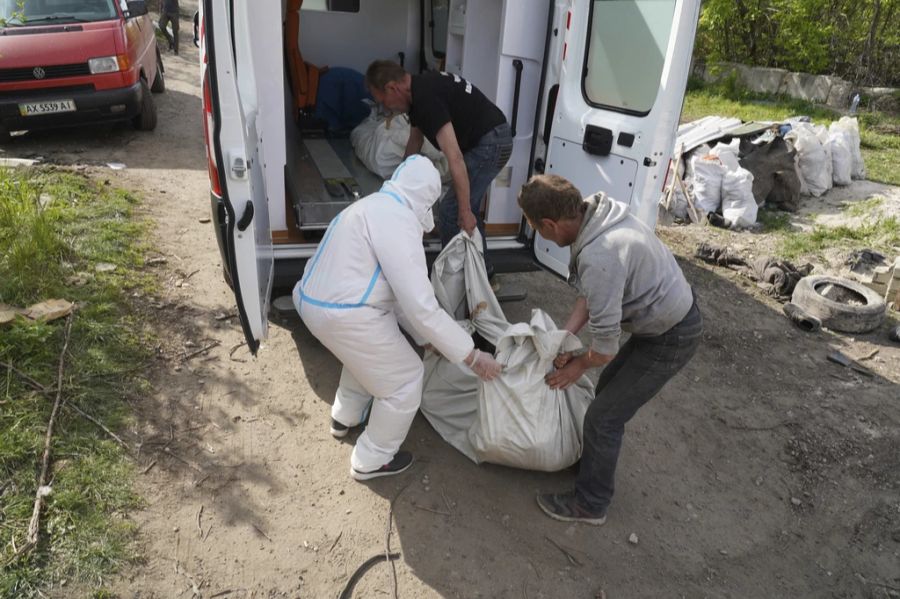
(610, 124)
(236, 117)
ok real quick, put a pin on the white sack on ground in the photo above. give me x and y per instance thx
(521, 421)
(544, 431)
(841, 155)
(821, 132)
(738, 204)
(728, 153)
(708, 173)
(380, 142)
(811, 159)
(851, 126)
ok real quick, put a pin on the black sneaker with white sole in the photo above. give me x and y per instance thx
(564, 507)
(401, 462)
(338, 430)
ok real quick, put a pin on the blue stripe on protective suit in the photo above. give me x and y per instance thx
(298, 301)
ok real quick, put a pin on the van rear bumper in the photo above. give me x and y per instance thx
(91, 106)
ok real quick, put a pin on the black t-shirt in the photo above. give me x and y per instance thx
(439, 98)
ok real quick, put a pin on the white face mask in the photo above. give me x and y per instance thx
(427, 221)
(419, 183)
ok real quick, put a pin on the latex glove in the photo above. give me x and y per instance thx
(483, 364)
(467, 222)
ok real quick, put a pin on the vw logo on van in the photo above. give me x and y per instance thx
(39, 73)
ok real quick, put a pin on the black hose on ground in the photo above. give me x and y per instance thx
(347, 593)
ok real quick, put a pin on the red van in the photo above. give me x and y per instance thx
(76, 62)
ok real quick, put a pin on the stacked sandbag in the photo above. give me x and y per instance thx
(850, 126)
(738, 204)
(839, 144)
(728, 153)
(821, 132)
(814, 173)
(708, 172)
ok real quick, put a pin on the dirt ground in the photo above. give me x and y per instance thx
(762, 470)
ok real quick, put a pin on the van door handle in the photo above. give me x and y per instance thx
(247, 217)
(518, 66)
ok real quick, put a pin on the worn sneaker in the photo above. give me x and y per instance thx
(400, 463)
(338, 430)
(563, 507)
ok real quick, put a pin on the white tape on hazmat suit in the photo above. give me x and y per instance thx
(516, 419)
(368, 275)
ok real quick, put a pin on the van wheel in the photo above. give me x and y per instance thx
(159, 82)
(5, 137)
(146, 118)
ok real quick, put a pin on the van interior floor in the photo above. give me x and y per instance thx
(323, 177)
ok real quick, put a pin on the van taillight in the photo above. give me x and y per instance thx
(666, 178)
(209, 126)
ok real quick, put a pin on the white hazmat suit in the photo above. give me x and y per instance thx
(368, 274)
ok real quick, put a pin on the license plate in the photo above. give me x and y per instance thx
(48, 107)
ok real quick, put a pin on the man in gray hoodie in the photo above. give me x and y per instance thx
(626, 280)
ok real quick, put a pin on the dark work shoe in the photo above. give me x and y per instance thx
(563, 507)
(400, 463)
(338, 430)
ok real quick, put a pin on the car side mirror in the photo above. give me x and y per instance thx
(137, 8)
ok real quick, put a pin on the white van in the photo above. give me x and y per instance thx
(593, 90)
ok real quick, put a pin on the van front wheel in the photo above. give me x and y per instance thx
(159, 82)
(146, 118)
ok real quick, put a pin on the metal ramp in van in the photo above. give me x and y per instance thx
(325, 177)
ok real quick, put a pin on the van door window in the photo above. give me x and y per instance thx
(440, 14)
(626, 52)
(332, 5)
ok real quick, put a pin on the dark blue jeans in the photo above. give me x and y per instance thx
(641, 368)
(483, 163)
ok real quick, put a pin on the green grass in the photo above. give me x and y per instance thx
(879, 132)
(774, 220)
(881, 235)
(864, 207)
(55, 227)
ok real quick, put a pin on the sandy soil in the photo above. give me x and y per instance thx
(760, 471)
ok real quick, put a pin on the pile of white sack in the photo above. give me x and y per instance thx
(380, 143)
(720, 182)
(516, 419)
(827, 156)
(717, 183)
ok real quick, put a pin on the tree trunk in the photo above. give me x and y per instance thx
(866, 59)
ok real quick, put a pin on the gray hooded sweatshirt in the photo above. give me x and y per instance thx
(628, 276)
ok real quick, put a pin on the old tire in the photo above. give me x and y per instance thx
(865, 314)
(159, 82)
(146, 118)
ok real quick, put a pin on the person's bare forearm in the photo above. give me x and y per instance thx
(460, 177)
(579, 316)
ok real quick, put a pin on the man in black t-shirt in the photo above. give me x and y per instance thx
(458, 119)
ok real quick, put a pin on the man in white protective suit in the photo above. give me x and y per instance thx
(369, 275)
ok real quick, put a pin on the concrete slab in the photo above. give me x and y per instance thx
(763, 80)
(839, 94)
(813, 88)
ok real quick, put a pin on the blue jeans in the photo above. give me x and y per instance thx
(641, 368)
(483, 163)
